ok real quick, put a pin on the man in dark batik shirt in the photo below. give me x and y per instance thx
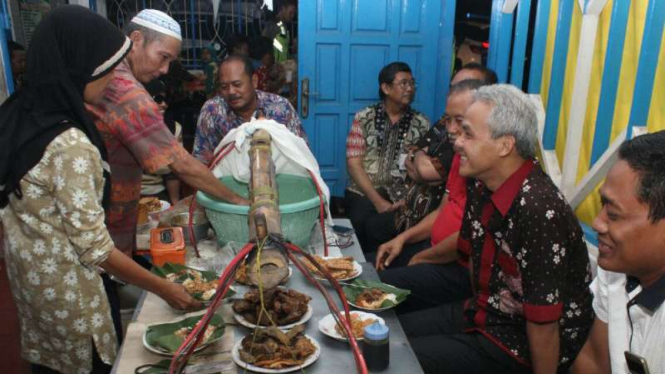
(376, 148)
(531, 309)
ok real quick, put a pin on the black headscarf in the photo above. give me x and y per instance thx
(71, 47)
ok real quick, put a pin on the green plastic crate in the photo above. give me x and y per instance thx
(298, 207)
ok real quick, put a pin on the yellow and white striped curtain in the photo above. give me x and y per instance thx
(634, 32)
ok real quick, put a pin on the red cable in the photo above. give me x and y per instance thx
(321, 212)
(344, 322)
(217, 157)
(188, 346)
(361, 366)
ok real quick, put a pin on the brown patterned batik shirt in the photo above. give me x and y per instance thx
(381, 144)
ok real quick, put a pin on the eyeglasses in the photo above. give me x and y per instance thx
(404, 84)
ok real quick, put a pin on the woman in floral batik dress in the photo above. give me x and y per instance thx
(52, 185)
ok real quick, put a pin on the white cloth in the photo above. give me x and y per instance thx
(158, 21)
(290, 154)
(609, 303)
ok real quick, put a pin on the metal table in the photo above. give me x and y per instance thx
(336, 356)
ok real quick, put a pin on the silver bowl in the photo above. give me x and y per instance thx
(200, 225)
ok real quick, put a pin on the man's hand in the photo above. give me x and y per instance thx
(176, 296)
(594, 358)
(388, 251)
(544, 345)
(383, 206)
(197, 175)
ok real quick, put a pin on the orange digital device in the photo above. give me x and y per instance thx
(167, 244)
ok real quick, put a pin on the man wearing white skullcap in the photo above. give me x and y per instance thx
(136, 137)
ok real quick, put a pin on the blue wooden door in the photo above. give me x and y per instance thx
(8, 80)
(342, 46)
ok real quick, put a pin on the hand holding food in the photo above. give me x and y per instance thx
(178, 298)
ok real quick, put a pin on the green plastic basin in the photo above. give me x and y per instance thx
(298, 207)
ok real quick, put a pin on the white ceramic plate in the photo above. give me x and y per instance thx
(160, 351)
(235, 353)
(241, 320)
(327, 325)
(356, 267)
(144, 225)
(164, 206)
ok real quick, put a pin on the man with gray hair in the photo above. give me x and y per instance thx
(531, 309)
(136, 137)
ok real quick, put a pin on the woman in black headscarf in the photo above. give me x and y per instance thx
(52, 185)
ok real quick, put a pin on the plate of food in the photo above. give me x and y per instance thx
(359, 320)
(274, 351)
(241, 275)
(166, 338)
(150, 207)
(285, 308)
(373, 296)
(341, 268)
(201, 284)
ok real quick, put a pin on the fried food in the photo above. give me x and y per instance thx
(339, 268)
(272, 348)
(152, 204)
(195, 283)
(373, 298)
(284, 306)
(358, 325)
(185, 331)
(241, 274)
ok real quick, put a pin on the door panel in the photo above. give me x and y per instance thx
(412, 21)
(326, 133)
(371, 16)
(366, 61)
(328, 63)
(343, 44)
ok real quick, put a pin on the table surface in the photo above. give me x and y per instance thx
(336, 356)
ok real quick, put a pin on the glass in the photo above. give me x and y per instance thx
(405, 83)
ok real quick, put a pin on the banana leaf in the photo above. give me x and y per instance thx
(183, 273)
(355, 288)
(163, 336)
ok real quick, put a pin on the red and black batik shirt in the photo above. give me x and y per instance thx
(529, 263)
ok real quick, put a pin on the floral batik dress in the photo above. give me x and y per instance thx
(55, 239)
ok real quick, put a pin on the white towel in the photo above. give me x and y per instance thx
(290, 154)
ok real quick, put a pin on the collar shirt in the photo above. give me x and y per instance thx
(137, 140)
(529, 262)
(217, 119)
(382, 145)
(616, 295)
